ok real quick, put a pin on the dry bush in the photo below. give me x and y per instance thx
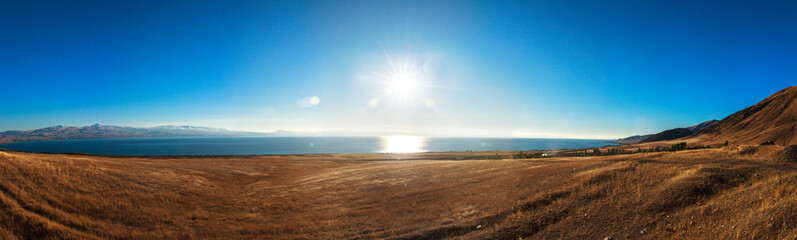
(787, 154)
(748, 150)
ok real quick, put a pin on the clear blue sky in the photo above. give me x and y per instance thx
(573, 69)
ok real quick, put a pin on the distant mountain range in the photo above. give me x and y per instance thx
(774, 119)
(98, 131)
(670, 134)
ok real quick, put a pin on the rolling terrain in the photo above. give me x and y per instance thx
(773, 119)
(741, 190)
(633, 139)
(698, 194)
(670, 134)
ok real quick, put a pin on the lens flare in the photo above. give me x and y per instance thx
(373, 102)
(429, 102)
(308, 102)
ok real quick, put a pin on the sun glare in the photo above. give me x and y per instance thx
(403, 78)
(402, 83)
(403, 144)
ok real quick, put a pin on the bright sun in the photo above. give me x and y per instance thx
(402, 83)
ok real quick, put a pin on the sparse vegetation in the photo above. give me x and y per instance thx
(787, 154)
(767, 143)
(709, 193)
(613, 151)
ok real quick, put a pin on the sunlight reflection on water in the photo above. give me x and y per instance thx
(403, 144)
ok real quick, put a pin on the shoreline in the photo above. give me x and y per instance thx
(480, 153)
(172, 148)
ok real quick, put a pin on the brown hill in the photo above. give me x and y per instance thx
(773, 119)
(633, 139)
(668, 135)
(701, 126)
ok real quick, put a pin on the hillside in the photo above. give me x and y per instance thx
(98, 131)
(701, 126)
(773, 119)
(667, 134)
(633, 139)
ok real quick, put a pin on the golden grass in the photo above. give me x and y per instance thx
(708, 194)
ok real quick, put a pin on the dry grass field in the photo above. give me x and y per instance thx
(699, 194)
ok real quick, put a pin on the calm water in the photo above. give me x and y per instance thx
(295, 145)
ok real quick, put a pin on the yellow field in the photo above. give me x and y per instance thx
(707, 194)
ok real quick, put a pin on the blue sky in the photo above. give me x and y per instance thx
(571, 69)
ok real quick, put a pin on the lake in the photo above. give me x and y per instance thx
(296, 145)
